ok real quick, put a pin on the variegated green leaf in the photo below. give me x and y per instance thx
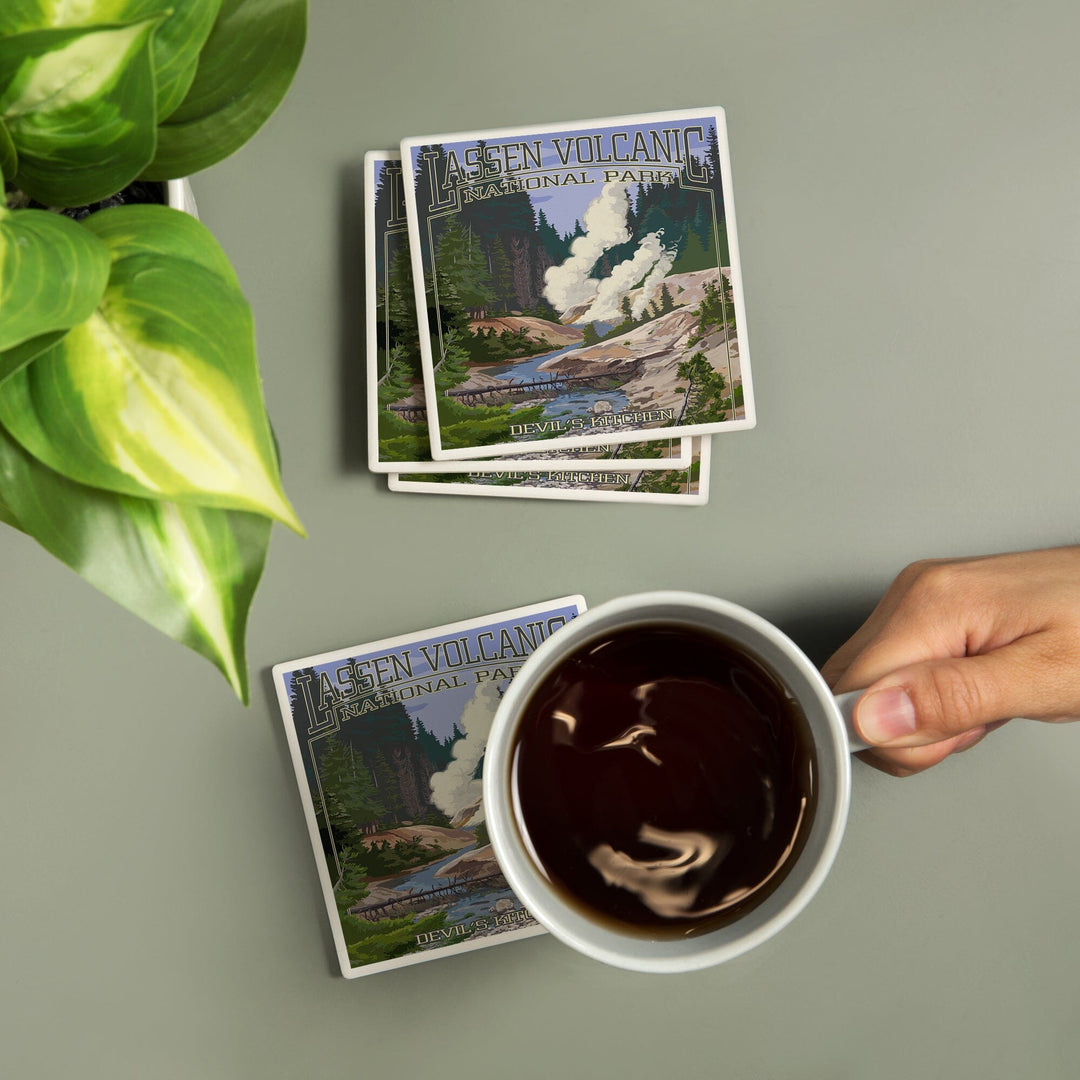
(53, 272)
(188, 570)
(155, 230)
(9, 157)
(176, 44)
(7, 515)
(245, 69)
(157, 394)
(79, 106)
(14, 359)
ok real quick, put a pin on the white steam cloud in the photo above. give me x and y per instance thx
(650, 253)
(649, 285)
(456, 788)
(604, 222)
(605, 225)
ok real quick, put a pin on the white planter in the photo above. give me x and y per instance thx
(178, 194)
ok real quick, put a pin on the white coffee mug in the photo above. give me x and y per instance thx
(834, 740)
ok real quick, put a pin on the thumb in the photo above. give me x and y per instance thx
(938, 699)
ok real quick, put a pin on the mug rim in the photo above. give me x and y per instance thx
(631, 950)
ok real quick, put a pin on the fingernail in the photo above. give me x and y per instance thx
(885, 715)
(975, 735)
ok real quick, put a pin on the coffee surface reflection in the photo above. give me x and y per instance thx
(663, 779)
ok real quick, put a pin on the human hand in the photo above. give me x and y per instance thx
(957, 647)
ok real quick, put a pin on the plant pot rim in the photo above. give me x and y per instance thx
(179, 195)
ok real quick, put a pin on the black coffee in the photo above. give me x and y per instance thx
(664, 779)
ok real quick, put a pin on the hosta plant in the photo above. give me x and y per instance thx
(134, 442)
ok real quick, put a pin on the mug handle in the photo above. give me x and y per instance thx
(846, 704)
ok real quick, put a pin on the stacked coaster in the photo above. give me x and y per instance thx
(556, 312)
(388, 740)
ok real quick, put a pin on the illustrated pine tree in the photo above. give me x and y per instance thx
(349, 795)
(461, 271)
(502, 276)
(388, 786)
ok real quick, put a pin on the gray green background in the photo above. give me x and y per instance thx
(907, 184)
